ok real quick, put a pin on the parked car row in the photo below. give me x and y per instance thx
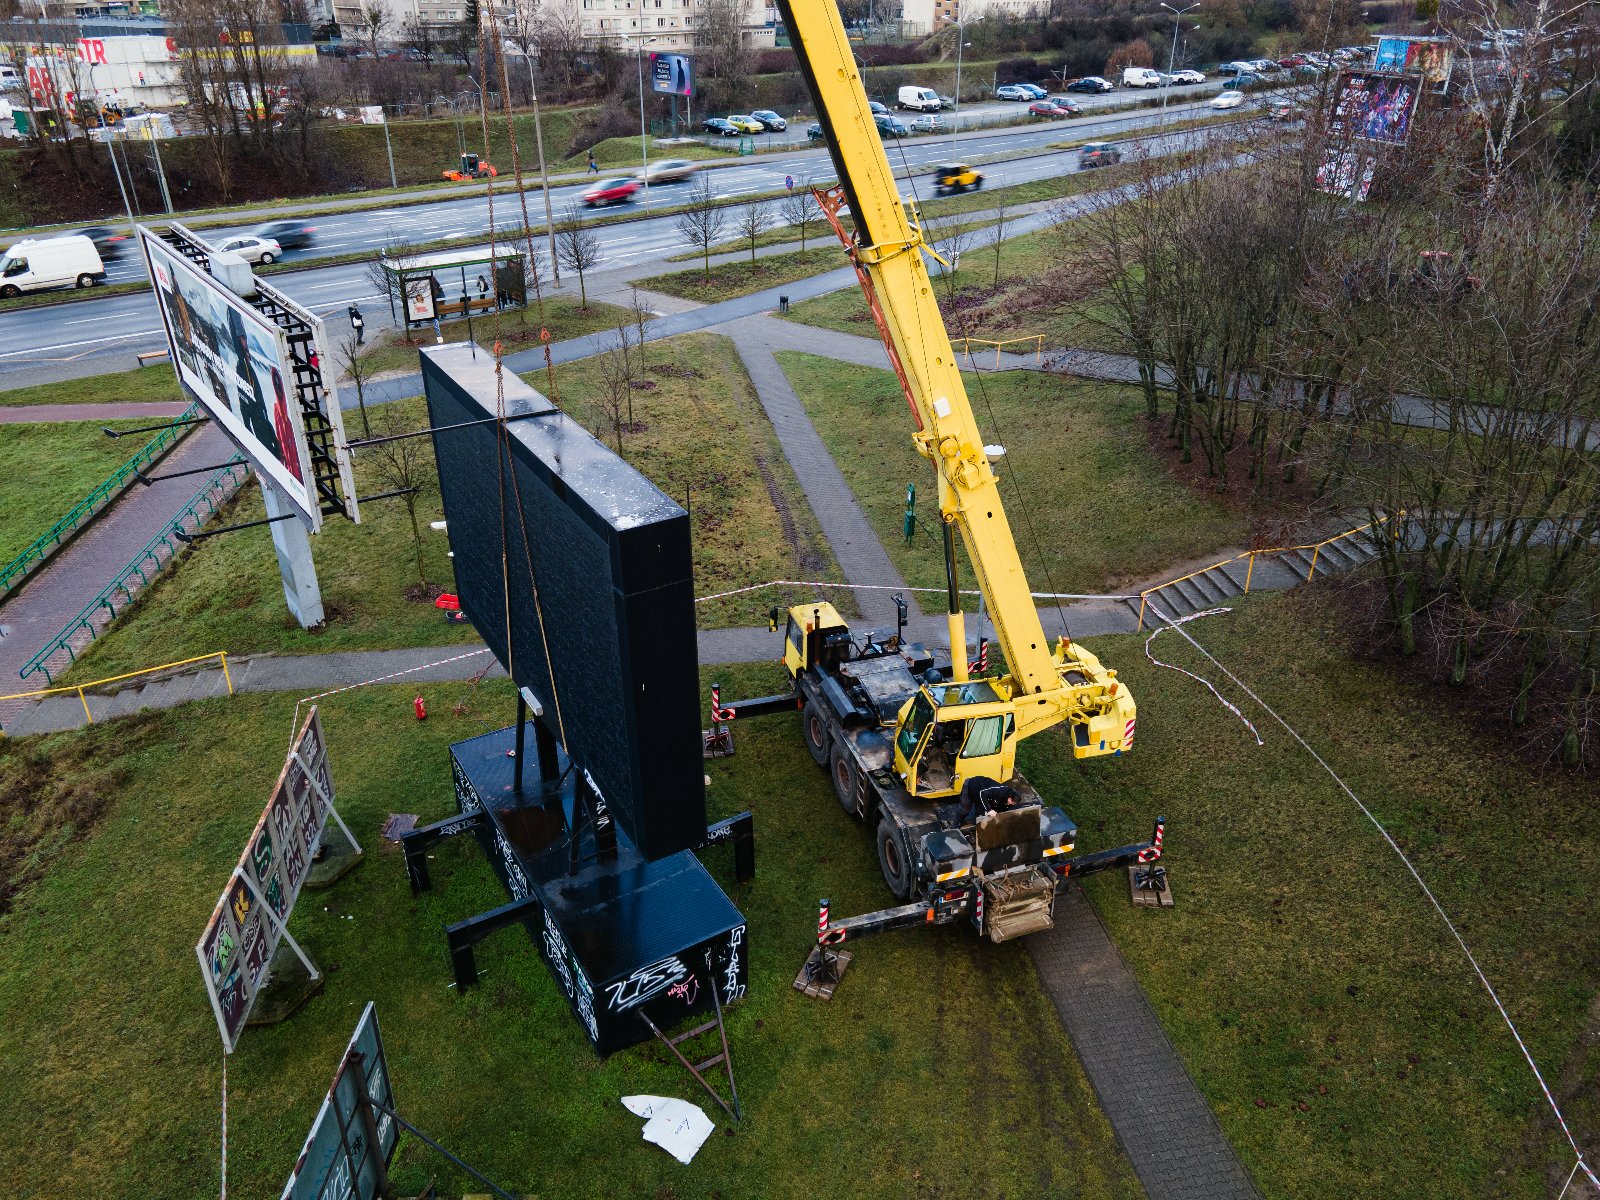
(763, 120)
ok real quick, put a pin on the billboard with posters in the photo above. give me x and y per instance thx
(239, 939)
(337, 1159)
(1427, 57)
(1374, 108)
(237, 365)
(1345, 173)
(672, 74)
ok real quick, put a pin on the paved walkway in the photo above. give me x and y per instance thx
(28, 414)
(1165, 1126)
(856, 547)
(57, 592)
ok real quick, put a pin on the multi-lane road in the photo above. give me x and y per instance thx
(92, 336)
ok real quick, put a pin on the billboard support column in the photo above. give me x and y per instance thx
(293, 544)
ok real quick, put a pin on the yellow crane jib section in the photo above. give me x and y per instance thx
(1048, 684)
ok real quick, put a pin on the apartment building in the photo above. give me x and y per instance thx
(930, 16)
(663, 25)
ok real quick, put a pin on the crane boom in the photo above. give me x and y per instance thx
(1046, 685)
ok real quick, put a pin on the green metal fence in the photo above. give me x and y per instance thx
(146, 565)
(19, 568)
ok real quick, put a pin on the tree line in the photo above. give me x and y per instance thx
(1403, 333)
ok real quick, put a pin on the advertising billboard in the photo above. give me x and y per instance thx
(1427, 57)
(577, 572)
(338, 1160)
(239, 939)
(236, 364)
(672, 74)
(1374, 108)
(1345, 173)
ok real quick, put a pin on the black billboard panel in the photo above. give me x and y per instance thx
(595, 562)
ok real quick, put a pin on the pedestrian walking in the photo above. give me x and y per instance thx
(358, 324)
(483, 287)
(594, 167)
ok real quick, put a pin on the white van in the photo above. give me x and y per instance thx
(33, 266)
(1140, 77)
(919, 99)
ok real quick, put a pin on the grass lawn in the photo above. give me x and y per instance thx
(939, 1069)
(519, 329)
(700, 433)
(48, 469)
(148, 385)
(1033, 290)
(1311, 990)
(733, 279)
(1105, 510)
(225, 592)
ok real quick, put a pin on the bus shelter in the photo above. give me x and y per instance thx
(455, 283)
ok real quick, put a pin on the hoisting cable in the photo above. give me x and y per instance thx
(1415, 875)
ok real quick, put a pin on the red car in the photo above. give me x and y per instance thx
(1294, 60)
(610, 191)
(1046, 108)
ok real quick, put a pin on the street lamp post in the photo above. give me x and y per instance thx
(544, 174)
(1172, 51)
(639, 40)
(960, 46)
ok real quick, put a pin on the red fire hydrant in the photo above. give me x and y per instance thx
(420, 707)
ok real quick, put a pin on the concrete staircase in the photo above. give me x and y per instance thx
(1272, 569)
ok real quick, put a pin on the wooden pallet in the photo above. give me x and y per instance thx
(1147, 897)
(814, 983)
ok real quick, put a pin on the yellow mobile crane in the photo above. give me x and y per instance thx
(928, 755)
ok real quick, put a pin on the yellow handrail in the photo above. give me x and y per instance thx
(1314, 547)
(222, 655)
(1036, 338)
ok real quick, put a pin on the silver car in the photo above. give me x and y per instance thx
(668, 170)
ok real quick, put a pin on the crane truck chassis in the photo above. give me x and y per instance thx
(926, 756)
(948, 857)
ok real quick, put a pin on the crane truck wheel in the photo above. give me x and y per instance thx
(815, 727)
(845, 782)
(894, 860)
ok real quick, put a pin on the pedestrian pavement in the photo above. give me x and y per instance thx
(58, 591)
(33, 414)
(1165, 1126)
(855, 544)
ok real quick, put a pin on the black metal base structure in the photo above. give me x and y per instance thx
(623, 936)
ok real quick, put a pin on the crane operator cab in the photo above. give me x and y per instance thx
(950, 733)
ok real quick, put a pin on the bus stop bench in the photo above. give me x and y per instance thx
(149, 356)
(480, 304)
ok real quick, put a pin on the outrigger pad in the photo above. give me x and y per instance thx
(1150, 886)
(817, 982)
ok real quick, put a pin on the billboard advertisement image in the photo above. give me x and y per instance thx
(1346, 174)
(1428, 57)
(237, 946)
(671, 75)
(1374, 108)
(236, 364)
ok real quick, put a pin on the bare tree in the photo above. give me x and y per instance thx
(616, 385)
(401, 465)
(752, 221)
(701, 223)
(641, 317)
(383, 272)
(359, 371)
(997, 236)
(578, 249)
(800, 208)
(374, 23)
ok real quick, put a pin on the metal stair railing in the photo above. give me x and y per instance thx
(18, 569)
(1316, 549)
(107, 601)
